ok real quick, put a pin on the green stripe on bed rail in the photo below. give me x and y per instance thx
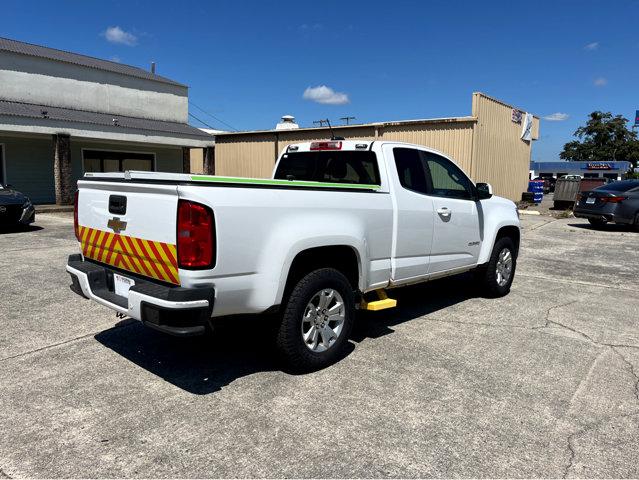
(285, 183)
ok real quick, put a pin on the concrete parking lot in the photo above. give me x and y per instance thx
(541, 383)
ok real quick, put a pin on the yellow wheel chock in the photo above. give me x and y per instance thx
(382, 304)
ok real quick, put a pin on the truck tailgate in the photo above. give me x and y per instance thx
(130, 226)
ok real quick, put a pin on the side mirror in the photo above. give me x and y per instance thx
(484, 191)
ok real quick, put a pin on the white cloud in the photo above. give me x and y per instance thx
(592, 46)
(557, 117)
(116, 59)
(315, 26)
(326, 95)
(600, 82)
(117, 35)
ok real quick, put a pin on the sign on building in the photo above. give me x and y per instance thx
(526, 131)
(516, 115)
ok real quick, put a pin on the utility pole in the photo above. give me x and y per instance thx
(320, 122)
(347, 119)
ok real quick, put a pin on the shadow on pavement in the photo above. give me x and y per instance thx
(608, 227)
(199, 365)
(19, 228)
(243, 345)
(414, 302)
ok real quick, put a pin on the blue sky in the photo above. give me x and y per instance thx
(248, 63)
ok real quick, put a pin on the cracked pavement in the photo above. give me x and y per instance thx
(541, 383)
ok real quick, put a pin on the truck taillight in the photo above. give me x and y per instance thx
(195, 235)
(326, 146)
(76, 226)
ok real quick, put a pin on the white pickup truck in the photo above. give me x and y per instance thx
(339, 223)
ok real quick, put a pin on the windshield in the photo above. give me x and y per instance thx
(330, 167)
(623, 186)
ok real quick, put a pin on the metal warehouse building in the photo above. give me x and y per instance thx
(488, 144)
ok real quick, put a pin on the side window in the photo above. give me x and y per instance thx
(410, 168)
(446, 178)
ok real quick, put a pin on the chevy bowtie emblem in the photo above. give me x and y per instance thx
(116, 225)
(3, 209)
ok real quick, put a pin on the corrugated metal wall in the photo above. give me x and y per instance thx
(253, 155)
(500, 156)
(487, 145)
(454, 139)
(245, 155)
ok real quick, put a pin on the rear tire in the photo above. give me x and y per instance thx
(317, 320)
(636, 223)
(497, 275)
(596, 222)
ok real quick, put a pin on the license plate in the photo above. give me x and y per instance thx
(590, 200)
(122, 285)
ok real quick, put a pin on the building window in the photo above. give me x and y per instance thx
(591, 175)
(108, 161)
(611, 176)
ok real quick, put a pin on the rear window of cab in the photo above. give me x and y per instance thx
(354, 167)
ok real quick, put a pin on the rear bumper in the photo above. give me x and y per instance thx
(608, 216)
(173, 310)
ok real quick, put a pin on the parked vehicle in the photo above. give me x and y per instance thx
(16, 208)
(566, 190)
(614, 202)
(338, 224)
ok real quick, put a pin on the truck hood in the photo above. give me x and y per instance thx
(499, 201)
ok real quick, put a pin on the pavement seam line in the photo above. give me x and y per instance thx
(577, 282)
(537, 227)
(53, 345)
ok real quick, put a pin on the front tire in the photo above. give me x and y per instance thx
(317, 320)
(497, 275)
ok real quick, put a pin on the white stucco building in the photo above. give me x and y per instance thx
(63, 114)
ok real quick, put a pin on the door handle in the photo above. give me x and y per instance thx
(444, 212)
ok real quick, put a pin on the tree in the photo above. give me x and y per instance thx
(604, 137)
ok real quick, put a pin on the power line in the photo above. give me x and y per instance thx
(347, 119)
(202, 121)
(212, 116)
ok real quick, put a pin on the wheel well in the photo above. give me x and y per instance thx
(340, 257)
(511, 232)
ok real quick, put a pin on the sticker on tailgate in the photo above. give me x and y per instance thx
(157, 260)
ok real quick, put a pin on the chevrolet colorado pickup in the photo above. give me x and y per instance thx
(338, 224)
